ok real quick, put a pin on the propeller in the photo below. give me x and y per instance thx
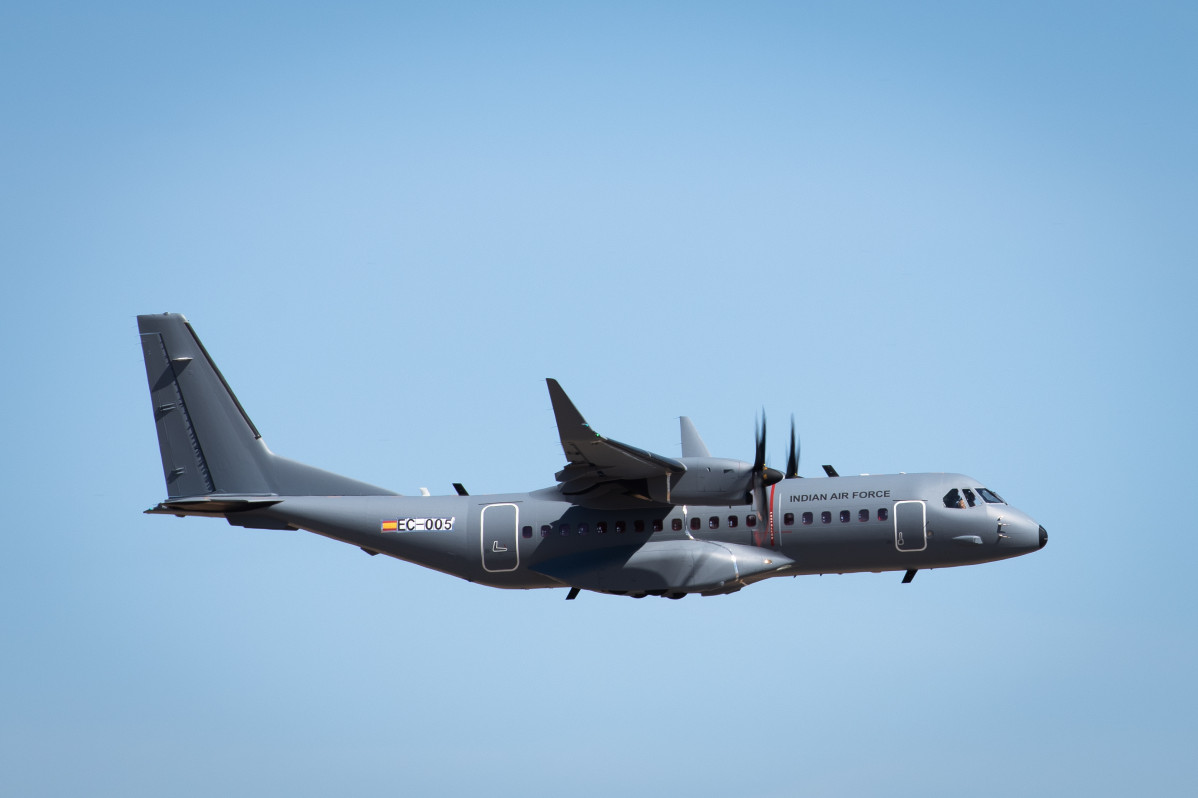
(792, 463)
(763, 475)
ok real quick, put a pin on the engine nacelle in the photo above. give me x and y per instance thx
(707, 481)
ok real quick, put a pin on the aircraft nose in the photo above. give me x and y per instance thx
(1043, 537)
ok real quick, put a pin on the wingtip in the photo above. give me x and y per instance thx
(563, 408)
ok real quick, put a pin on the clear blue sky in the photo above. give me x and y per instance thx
(954, 237)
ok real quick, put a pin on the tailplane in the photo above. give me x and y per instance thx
(209, 445)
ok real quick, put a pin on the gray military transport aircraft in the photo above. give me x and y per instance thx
(620, 520)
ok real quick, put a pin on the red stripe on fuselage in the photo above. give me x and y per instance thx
(772, 542)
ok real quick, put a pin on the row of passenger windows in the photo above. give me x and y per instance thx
(845, 516)
(638, 525)
(696, 523)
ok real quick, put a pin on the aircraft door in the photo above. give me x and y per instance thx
(500, 537)
(910, 526)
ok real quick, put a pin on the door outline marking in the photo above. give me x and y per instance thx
(482, 538)
(898, 535)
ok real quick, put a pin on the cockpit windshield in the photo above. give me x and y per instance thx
(960, 498)
(990, 496)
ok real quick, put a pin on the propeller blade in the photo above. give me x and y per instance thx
(763, 475)
(759, 459)
(792, 463)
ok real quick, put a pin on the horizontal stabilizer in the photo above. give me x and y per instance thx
(206, 505)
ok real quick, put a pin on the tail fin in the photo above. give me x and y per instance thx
(208, 443)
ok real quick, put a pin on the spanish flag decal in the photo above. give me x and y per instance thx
(390, 526)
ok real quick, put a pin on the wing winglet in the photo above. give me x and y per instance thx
(692, 444)
(571, 426)
(594, 459)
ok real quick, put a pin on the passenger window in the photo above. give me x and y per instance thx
(808, 518)
(789, 519)
(883, 514)
(732, 522)
(825, 517)
(845, 516)
(953, 499)
(676, 524)
(545, 530)
(621, 526)
(565, 529)
(969, 497)
(658, 525)
(751, 520)
(583, 529)
(638, 525)
(863, 515)
(600, 527)
(695, 523)
(526, 531)
(713, 522)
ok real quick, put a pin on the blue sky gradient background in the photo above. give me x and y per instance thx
(946, 238)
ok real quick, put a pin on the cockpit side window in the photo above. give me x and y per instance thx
(953, 499)
(990, 496)
(969, 497)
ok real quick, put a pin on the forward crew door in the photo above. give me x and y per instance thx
(910, 526)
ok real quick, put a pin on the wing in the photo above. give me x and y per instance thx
(602, 471)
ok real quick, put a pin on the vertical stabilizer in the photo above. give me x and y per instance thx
(207, 441)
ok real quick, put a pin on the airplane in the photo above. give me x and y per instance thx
(620, 520)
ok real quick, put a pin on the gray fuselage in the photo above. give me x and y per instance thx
(897, 522)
